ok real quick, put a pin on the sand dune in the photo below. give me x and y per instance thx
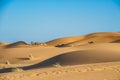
(94, 40)
(79, 57)
(3, 43)
(86, 39)
(99, 71)
(66, 40)
(17, 44)
(42, 53)
(94, 56)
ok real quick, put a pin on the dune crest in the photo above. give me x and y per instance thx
(17, 44)
(101, 37)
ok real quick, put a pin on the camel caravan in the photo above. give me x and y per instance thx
(38, 43)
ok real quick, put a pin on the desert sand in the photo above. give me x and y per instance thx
(93, 56)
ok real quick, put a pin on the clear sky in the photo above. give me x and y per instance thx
(44, 20)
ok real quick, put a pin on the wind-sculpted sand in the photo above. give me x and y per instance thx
(99, 71)
(94, 56)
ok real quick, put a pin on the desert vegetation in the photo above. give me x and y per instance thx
(16, 69)
(57, 64)
(30, 57)
(7, 62)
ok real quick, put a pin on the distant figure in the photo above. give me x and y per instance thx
(38, 43)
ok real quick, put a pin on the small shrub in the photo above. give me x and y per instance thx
(16, 69)
(7, 62)
(57, 64)
(30, 57)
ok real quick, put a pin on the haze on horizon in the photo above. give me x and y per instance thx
(44, 20)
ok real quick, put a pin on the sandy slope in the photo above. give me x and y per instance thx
(81, 60)
(101, 71)
(94, 37)
(3, 43)
(64, 40)
(20, 55)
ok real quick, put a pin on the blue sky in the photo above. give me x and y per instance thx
(44, 20)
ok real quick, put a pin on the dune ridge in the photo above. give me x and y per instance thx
(17, 44)
(100, 37)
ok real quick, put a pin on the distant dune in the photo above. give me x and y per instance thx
(66, 40)
(3, 43)
(17, 44)
(102, 37)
